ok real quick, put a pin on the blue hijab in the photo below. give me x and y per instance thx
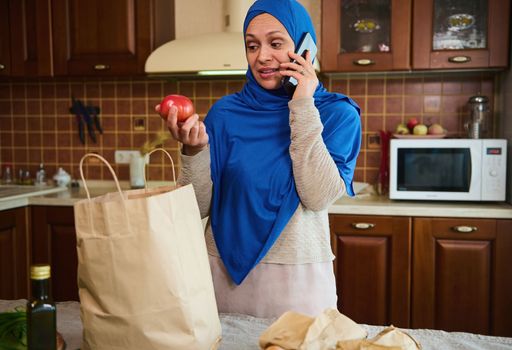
(254, 193)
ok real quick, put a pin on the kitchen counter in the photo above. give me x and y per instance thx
(381, 205)
(364, 204)
(243, 331)
(14, 196)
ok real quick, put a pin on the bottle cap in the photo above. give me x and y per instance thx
(40, 272)
(478, 99)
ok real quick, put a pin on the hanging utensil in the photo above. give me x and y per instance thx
(75, 109)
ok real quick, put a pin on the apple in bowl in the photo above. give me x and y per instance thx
(402, 129)
(436, 129)
(411, 123)
(420, 129)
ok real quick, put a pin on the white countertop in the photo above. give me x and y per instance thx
(14, 196)
(382, 205)
(365, 204)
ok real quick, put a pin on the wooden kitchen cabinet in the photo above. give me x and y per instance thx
(25, 43)
(5, 43)
(385, 35)
(96, 37)
(365, 36)
(372, 268)
(462, 275)
(54, 243)
(81, 37)
(14, 253)
(460, 34)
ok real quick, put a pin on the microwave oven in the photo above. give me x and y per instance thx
(448, 169)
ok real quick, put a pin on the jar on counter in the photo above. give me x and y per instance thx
(7, 175)
(62, 178)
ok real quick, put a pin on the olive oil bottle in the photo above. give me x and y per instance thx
(41, 311)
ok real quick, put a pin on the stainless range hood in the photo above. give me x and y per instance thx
(221, 53)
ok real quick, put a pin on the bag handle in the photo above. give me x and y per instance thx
(168, 156)
(109, 167)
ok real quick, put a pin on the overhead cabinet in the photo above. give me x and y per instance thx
(384, 35)
(365, 35)
(95, 37)
(25, 43)
(5, 43)
(83, 37)
(460, 34)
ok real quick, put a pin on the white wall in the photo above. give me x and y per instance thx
(195, 17)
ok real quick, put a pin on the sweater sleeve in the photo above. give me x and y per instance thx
(316, 175)
(195, 170)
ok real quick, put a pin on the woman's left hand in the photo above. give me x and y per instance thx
(304, 72)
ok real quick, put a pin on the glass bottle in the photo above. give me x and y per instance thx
(19, 181)
(7, 176)
(41, 311)
(40, 176)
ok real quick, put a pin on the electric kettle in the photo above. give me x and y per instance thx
(476, 124)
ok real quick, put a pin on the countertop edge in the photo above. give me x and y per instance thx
(482, 213)
(364, 205)
(13, 203)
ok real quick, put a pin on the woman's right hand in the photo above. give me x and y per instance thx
(191, 133)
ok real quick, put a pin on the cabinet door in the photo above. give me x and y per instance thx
(503, 280)
(365, 36)
(372, 268)
(54, 243)
(97, 37)
(460, 34)
(14, 257)
(30, 31)
(461, 270)
(5, 44)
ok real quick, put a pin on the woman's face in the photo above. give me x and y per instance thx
(267, 45)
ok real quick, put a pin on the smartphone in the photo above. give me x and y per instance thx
(306, 44)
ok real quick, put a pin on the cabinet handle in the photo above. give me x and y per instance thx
(465, 229)
(101, 67)
(362, 225)
(363, 62)
(459, 59)
(2, 67)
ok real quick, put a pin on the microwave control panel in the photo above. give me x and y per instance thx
(494, 169)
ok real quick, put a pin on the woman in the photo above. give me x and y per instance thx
(265, 168)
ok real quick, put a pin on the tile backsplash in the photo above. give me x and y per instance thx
(37, 127)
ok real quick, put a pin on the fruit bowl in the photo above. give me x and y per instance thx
(411, 136)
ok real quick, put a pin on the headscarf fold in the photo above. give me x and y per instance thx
(254, 193)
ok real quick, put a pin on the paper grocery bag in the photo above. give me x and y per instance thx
(143, 273)
(287, 332)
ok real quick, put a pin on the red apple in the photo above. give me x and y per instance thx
(183, 103)
(411, 123)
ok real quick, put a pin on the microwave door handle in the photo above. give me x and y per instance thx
(464, 229)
